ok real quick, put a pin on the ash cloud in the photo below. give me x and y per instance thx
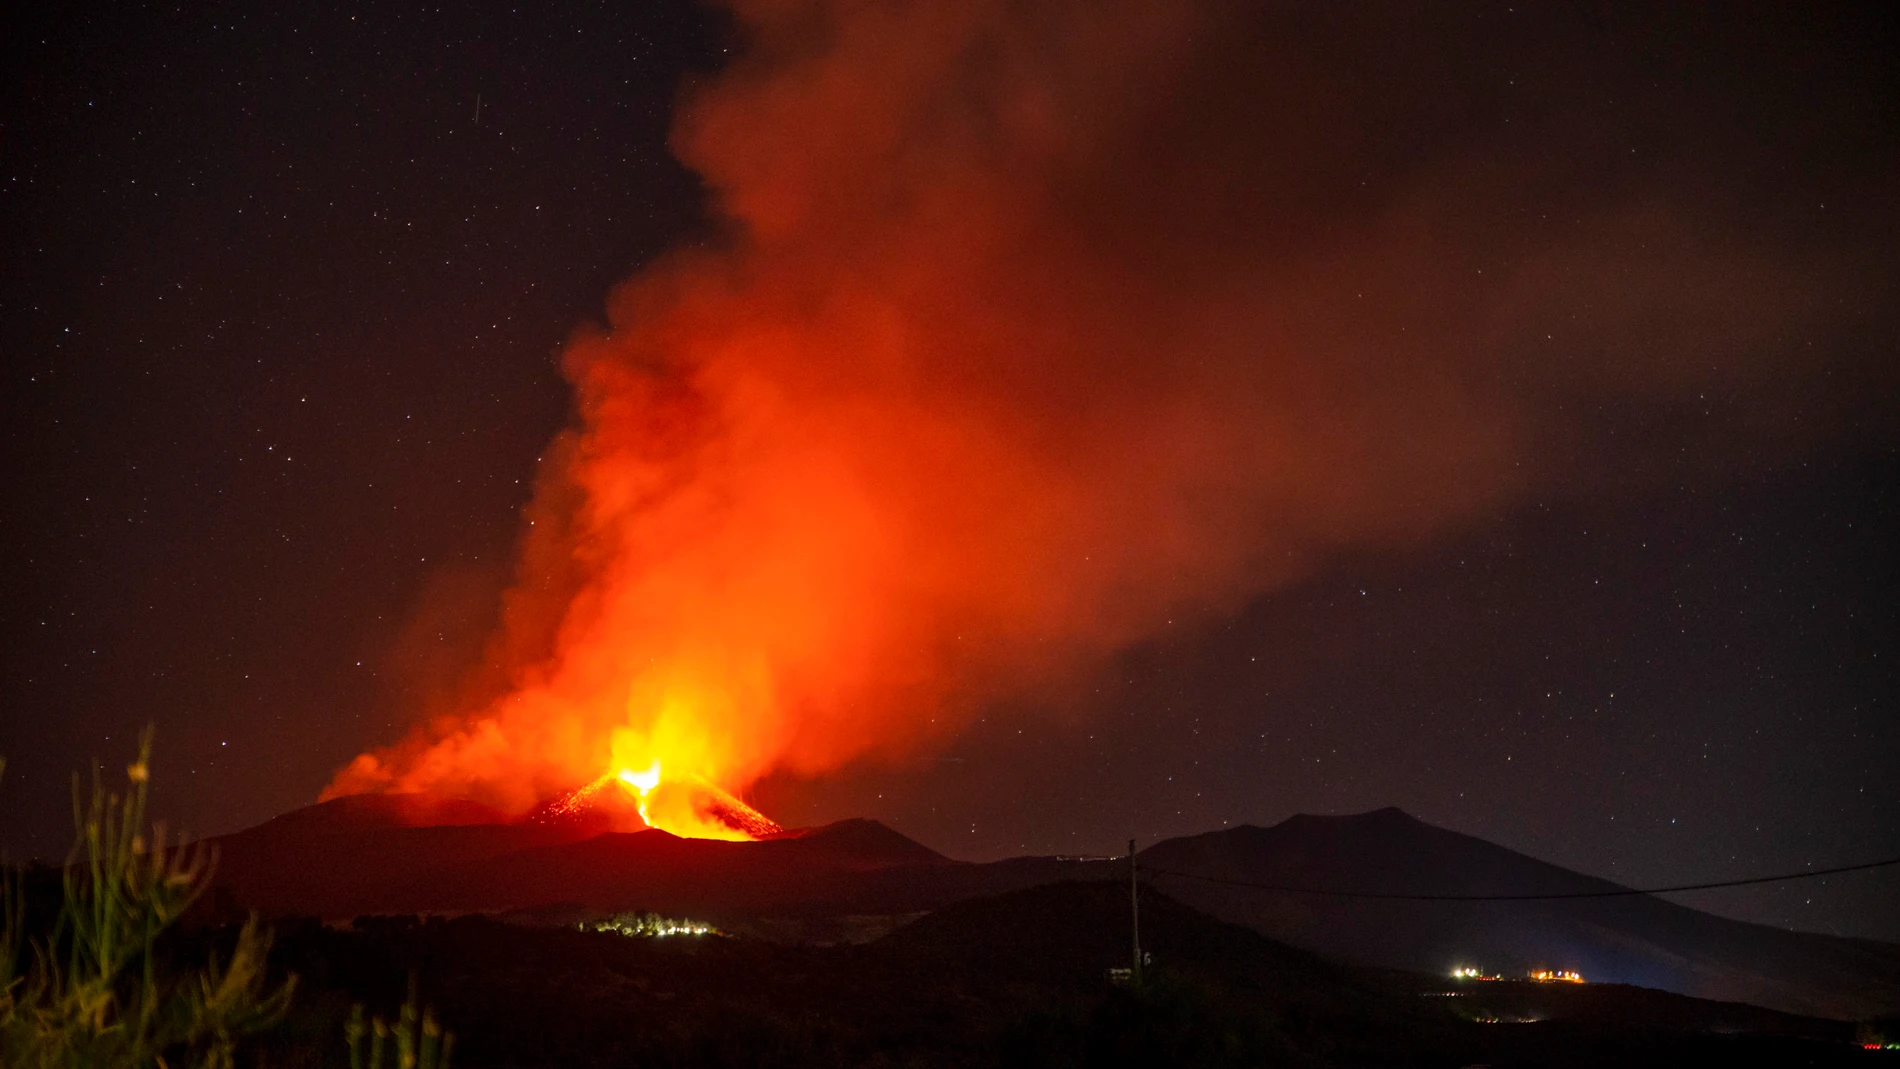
(1032, 326)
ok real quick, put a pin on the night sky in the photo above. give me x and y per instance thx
(280, 313)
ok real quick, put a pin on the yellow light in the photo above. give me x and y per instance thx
(642, 781)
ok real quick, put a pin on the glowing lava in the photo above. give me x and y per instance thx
(692, 807)
(687, 806)
(640, 783)
(695, 808)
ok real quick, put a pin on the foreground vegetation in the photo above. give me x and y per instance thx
(96, 973)
(94, 987)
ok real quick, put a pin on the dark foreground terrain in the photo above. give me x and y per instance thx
(1013, 980)
(855, 879)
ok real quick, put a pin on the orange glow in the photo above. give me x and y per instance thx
(942, 415)
(692, 807)
(641, 784)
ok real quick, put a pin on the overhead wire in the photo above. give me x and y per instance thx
(1619, 892)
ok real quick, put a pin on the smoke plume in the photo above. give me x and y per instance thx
(1031, 326)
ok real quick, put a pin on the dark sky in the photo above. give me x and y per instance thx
(280, 316)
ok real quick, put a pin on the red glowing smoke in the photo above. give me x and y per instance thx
(1033, 325)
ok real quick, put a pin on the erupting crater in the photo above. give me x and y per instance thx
(688, 806)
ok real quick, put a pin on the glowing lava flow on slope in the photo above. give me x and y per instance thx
(693, 807)
(687, 806)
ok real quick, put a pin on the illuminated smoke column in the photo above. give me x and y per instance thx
(1031, 326)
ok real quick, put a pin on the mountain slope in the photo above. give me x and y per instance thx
(354, 856)
(1007, 980)
(347, 858)
(1636, 940)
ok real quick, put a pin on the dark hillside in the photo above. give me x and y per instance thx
(1639, 940)
(856, 879)
(1014, 980)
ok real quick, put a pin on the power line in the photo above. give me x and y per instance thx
(1621, 892)
(1134, 911)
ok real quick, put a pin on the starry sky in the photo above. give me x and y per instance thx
(280, 311)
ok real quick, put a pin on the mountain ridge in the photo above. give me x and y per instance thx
(339, 862)
(1638, 939)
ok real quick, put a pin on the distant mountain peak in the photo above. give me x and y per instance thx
(370, 812)
(1387, 815)
(870, 842)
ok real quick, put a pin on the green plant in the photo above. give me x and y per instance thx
(12, 931)
(420, 1042)
(96, 992)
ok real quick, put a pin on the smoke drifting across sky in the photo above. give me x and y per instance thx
(1032, 326)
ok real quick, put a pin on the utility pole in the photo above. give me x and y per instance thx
(1134, 910)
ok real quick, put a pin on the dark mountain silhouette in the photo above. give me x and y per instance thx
(342, 857)
(1056, 932)
(1639, 939)
(352, 857)
(368, 812)
(422, 853)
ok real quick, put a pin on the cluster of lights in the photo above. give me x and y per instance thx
(1542, 976)
(683, 928)
(649, 925)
